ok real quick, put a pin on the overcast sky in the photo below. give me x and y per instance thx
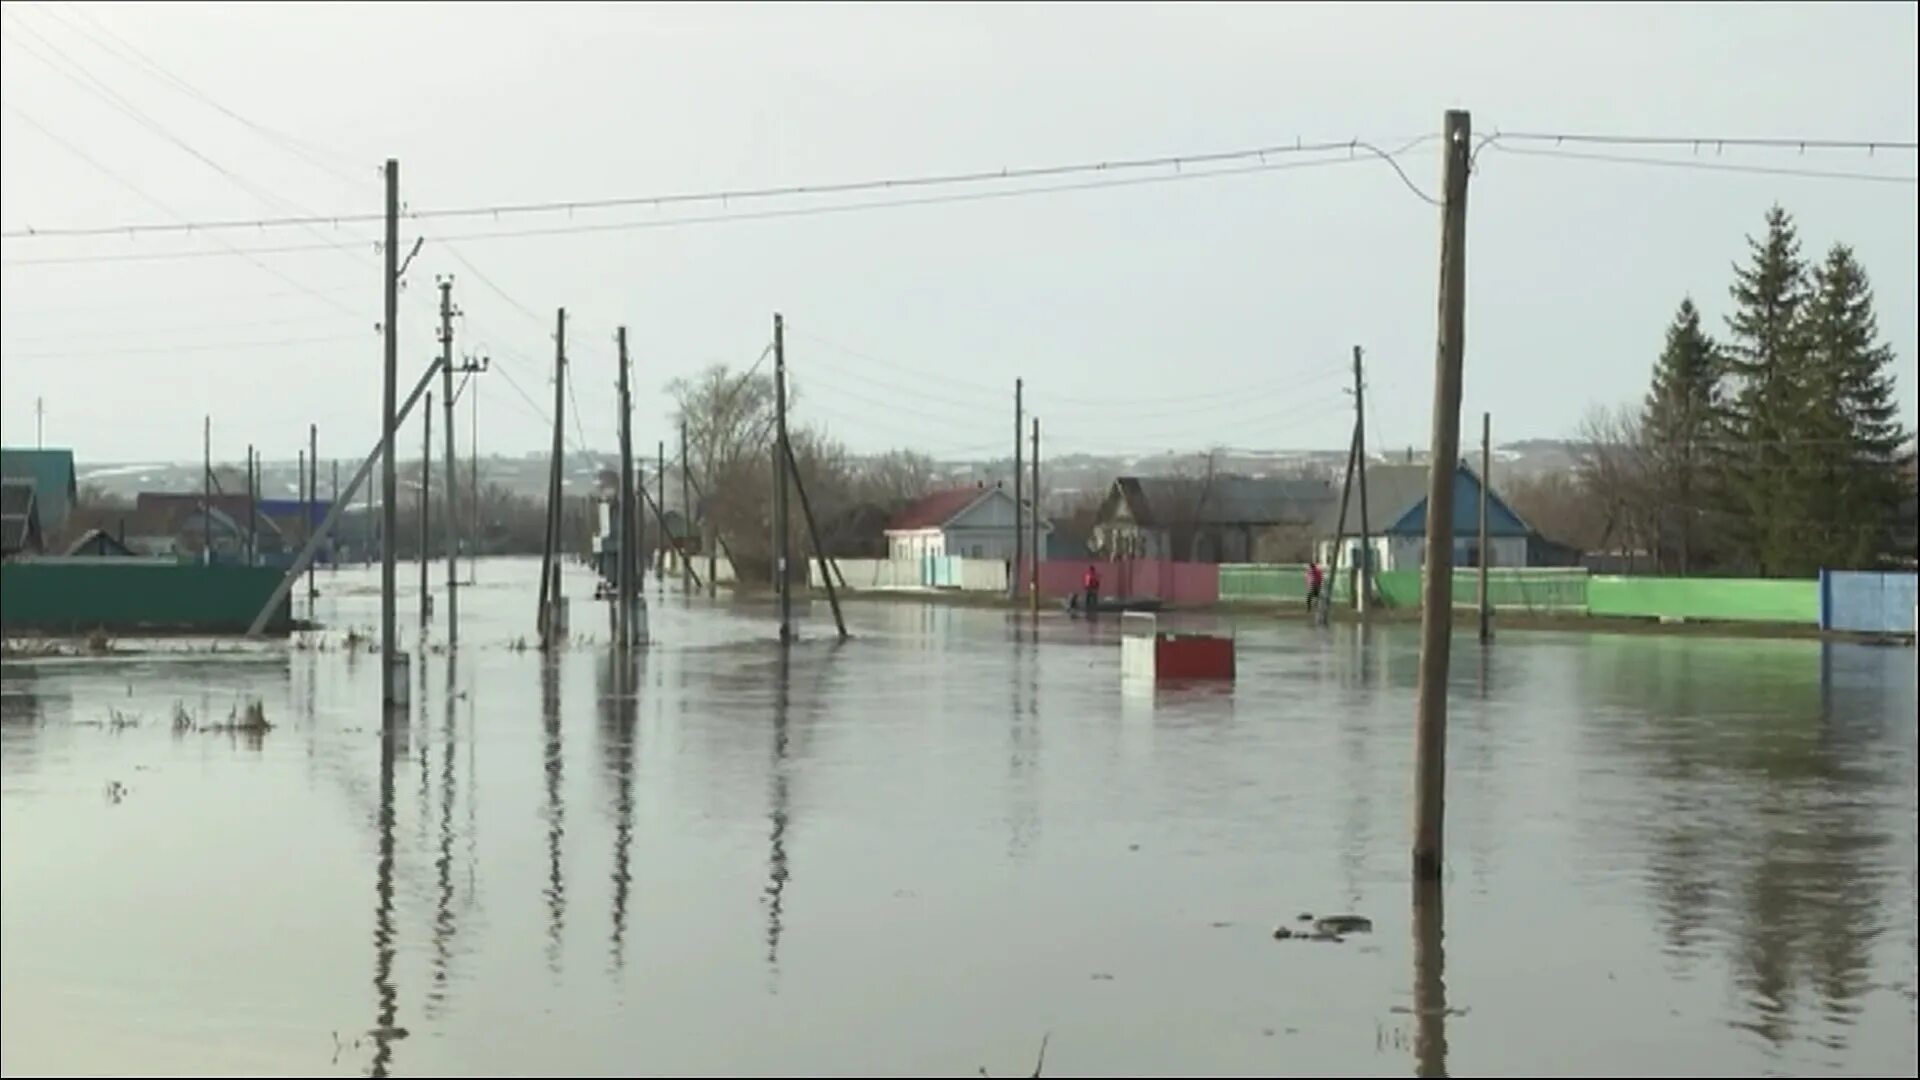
(1180, 313)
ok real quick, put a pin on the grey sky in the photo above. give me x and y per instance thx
(1188, 313)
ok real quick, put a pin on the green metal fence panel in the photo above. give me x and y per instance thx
(1398, 588)
(1273, 583)
(131, 595)
(1544, 590)
(1718, 599)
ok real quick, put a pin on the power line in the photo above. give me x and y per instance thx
(712, 219)
(1699, 142)
(210, 346)
(1178, 163)
(1705, 166)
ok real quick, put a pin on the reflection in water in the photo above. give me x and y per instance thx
(777, 846)
(1758, 752)
(619, 687)
(1429, 980)
(383, 937)
(443, 920)
(556, 891)
(1024, 750)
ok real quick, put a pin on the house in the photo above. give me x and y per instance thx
(19, 520)
(50, 472)
(99, 543)
(1209, 519)
(973, 523)
(1396, 509)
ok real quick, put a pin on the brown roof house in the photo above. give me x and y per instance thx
(1217, 519)
(973, 523)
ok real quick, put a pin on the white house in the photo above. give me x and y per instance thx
(971, 523)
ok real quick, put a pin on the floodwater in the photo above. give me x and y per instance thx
(927, 850)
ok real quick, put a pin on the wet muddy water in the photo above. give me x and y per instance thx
(927, 849)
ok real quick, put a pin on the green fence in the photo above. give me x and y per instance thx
(1718, 599)
(1273, 583)
(1559, 591)
(79, 595)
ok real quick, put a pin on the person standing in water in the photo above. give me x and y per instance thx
(1090, 584)
(1315, 579)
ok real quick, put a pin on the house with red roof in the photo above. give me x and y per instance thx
(970, 523)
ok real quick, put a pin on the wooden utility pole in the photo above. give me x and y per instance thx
(253, 506)
(393, 681)
(1360, 454)
(452, 526)
(686, 512)
(623, 617)
(660, 500)
(1436, 601)
(1019, 523)
(206, 490)
(1486, 552)
(306, 524)
(1033, 575)
(332, 504)
(1324, 612)
(549, 578)
(313, 497)
(782, 462)
(426, 500)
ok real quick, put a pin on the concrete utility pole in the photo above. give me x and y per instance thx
(206, 491)
(1033, 575)
(1436, 601)
(393, 673)
(426, 508)
(686, 511)
(39, 423)
(1324, 611)
(1486, 552)
(1360, 454)
(1019, 523)
(253, 521)
(452, 527)
(782, 460)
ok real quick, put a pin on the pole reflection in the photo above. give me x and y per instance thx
(388, 998)
(619, 706)
(778, 816)
(556, 890)
(1429, 981)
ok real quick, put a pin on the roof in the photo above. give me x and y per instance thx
(936, 510)
(1224, 500)
(1396, 492)
(50, 472)
(98, 542)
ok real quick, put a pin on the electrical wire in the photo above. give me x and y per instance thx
(1704, 166)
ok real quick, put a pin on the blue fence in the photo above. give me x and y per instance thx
(1864, 602)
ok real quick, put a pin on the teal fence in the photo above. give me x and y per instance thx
(80, 595)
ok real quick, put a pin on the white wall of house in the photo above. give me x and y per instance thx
(916, 544)
(984, 530)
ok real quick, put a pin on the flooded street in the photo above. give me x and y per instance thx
(924, 850)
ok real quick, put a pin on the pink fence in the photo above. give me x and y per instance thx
(1139, 579)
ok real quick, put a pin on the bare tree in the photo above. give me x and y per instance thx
(1613, 470)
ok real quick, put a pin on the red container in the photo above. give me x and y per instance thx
(1177, 656)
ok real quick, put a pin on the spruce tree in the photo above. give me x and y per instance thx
(1680, 421)
(1767, 482)
(1853, 429)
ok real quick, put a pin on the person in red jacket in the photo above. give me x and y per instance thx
(1090, 583)
(1315, 578)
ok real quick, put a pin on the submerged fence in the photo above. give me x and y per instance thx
(121, 595)
(1862, 602)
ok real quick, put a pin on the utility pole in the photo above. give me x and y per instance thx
(819, 550)
(1324, 612)
(686, 510)
(626, 614)
(426, 500)
(549, 579)
(660, 500)
(39, 423)
(1360, 438)
(473, 485)
(1019, 523)
(782, 461)
(452, 527)
(1033, 577)
(1436, 606)
(313, 497)
(333, 503)
(253, 521)
(1486, 553)
(394, 683)
(206, 490)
